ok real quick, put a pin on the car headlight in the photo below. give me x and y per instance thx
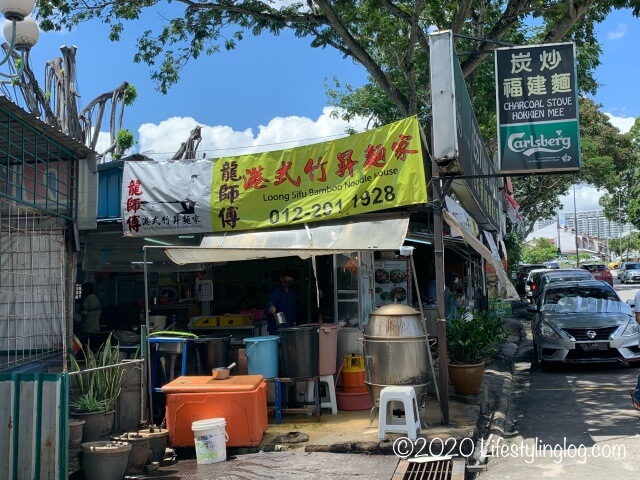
(632, 329)
(547, 332)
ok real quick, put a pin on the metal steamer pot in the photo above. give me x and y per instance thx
(395, 350)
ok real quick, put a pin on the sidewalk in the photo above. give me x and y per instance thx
(332, 437)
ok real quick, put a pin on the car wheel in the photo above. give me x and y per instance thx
(622, 280)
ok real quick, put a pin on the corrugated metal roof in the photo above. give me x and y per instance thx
(38, 126)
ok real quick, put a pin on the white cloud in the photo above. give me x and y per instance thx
(586, 199)
(618, 33)
(624, 124)
(161, 141)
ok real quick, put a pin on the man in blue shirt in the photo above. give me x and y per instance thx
(282, 299)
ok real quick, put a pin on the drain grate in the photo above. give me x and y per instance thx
(432, 468)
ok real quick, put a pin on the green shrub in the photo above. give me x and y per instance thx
(474, 341)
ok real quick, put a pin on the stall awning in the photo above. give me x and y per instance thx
(364, 232)
(478, 246)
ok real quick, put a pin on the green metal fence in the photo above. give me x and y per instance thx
(34, 411)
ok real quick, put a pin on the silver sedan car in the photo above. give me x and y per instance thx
(583, 322)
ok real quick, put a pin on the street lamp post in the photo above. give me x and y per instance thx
(20, 30)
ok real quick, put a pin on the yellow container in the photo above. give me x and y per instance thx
(353, 363)
(203, 322)
(234, 320)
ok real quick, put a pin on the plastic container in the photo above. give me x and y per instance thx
(262, 355)
(328, 348)
(240, 400)
(210, 439)
(299, 351)
(157, 322)
(214, 351)
(353, 401)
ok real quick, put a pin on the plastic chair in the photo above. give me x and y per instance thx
(410, 424)
(329, 399)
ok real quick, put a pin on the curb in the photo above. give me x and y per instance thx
(499, 385)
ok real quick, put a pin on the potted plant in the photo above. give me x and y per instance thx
(472, 341)
(109, 381)
(99, 389)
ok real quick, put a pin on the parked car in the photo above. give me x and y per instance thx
(522, 276)
(599, 271)
(552, 264)
(583, 322)
(561, 275)
(629, 272)
(531, 283)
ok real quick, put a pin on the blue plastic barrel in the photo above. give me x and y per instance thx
(262, 355)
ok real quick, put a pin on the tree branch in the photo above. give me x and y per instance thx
(364, 58)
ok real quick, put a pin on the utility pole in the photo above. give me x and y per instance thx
(575, 224)
(620, 225)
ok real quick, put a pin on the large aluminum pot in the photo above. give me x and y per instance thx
(395, 350)
(394, 320)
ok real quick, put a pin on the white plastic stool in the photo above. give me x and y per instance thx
(410, 424)
(328, 400)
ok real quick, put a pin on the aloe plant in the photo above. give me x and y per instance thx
(88, 403)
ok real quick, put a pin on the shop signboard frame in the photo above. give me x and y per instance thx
(537, 109)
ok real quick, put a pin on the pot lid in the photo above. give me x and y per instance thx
(395, 309)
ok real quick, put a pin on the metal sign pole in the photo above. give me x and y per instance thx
(441, 321)
(424, 322)
(146, 339)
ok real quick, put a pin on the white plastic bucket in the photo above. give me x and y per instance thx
(210, 440)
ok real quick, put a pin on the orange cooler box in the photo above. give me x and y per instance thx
(240, 400)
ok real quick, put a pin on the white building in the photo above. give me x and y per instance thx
(566, 239)
(594, 223)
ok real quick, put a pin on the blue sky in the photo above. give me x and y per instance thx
(271, 90)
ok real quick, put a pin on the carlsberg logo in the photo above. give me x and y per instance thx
(530, 145)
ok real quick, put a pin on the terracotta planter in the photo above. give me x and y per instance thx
(466, 379)
(105, 460)
(94, 423)
(76, 426)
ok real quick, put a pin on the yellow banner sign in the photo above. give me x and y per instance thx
(369, 171)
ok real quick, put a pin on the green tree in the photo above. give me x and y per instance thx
(539, 251)
(606, 157)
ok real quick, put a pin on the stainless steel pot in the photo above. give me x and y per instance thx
(395, 350)
(281, 319)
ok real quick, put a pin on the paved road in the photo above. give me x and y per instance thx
(580, 419)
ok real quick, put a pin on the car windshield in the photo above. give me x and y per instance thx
(577, 299)
(632, 266)
(568, 277)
